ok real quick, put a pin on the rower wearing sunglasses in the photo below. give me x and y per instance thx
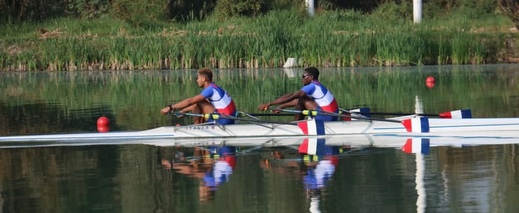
(312, 96)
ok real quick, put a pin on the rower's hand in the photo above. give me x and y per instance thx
(166, 110)
(264, 107)
(276, 110)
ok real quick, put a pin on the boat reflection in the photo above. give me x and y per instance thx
(213, 162)
(212, 165)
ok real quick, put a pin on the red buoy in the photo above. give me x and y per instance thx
(429, 85)
(430, 79)
(103, 124)
(429, 82)
(103, 128)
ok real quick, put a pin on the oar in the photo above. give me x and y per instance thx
(352, 111)
(317, 112)
(216, 116)
(463, 113)
(265, 114)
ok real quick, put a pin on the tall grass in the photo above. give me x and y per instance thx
(331, 39)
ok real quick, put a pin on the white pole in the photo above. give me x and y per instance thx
(421, 201)
(310, 7)
(418, 105)
(417, 11)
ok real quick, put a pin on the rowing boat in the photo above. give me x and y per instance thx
(213, 130)
(353, 140)
(418, 126)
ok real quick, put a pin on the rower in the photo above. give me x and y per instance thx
(312, 96)
(212, 99)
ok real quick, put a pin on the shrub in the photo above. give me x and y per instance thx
(140, 13)
(230, 8)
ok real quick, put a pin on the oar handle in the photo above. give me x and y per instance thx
(463, 113)
(393, 113)
(216, 116)
(270, 114)
(318, 112)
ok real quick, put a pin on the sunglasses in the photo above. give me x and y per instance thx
(304, 76)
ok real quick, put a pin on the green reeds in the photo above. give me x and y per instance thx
(332, 39)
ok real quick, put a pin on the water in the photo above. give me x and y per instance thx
(145, 178)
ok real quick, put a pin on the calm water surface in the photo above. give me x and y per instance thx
(147, 178)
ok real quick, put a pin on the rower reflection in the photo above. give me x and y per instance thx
(225, 162)
(212, 165)
(320, 168)
(315, 169)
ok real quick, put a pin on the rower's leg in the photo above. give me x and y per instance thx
(196, 110)
(202, 107)
(304, 103)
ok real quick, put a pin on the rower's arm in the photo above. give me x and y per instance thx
(288, 98)
(288, 104)
(188, 102)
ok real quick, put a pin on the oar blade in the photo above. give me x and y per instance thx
(364, 111)
(457, 114)
(416, 125)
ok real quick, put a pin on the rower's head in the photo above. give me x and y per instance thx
(310, 74)
(204, 76)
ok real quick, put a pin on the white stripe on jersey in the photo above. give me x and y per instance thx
(320, 98)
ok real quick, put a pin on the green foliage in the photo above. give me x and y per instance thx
(144, 12)
(339, 38)
(286, 4)
(87, 8)
(476, 8)
(140, 13)
(393, 12)
(30, 10)
(365, 5)
(188, 10)
(511, 9)
(230, 8)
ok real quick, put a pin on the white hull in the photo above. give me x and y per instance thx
(477, 127)
(352, 140)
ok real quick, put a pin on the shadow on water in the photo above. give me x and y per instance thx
(40, 118)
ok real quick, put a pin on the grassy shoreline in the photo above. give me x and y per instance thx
(332, 39)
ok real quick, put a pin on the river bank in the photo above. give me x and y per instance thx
(334, 39)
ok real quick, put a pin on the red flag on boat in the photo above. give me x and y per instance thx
(457, 114)
(312, 146)
(419, 124)
(312, 127)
